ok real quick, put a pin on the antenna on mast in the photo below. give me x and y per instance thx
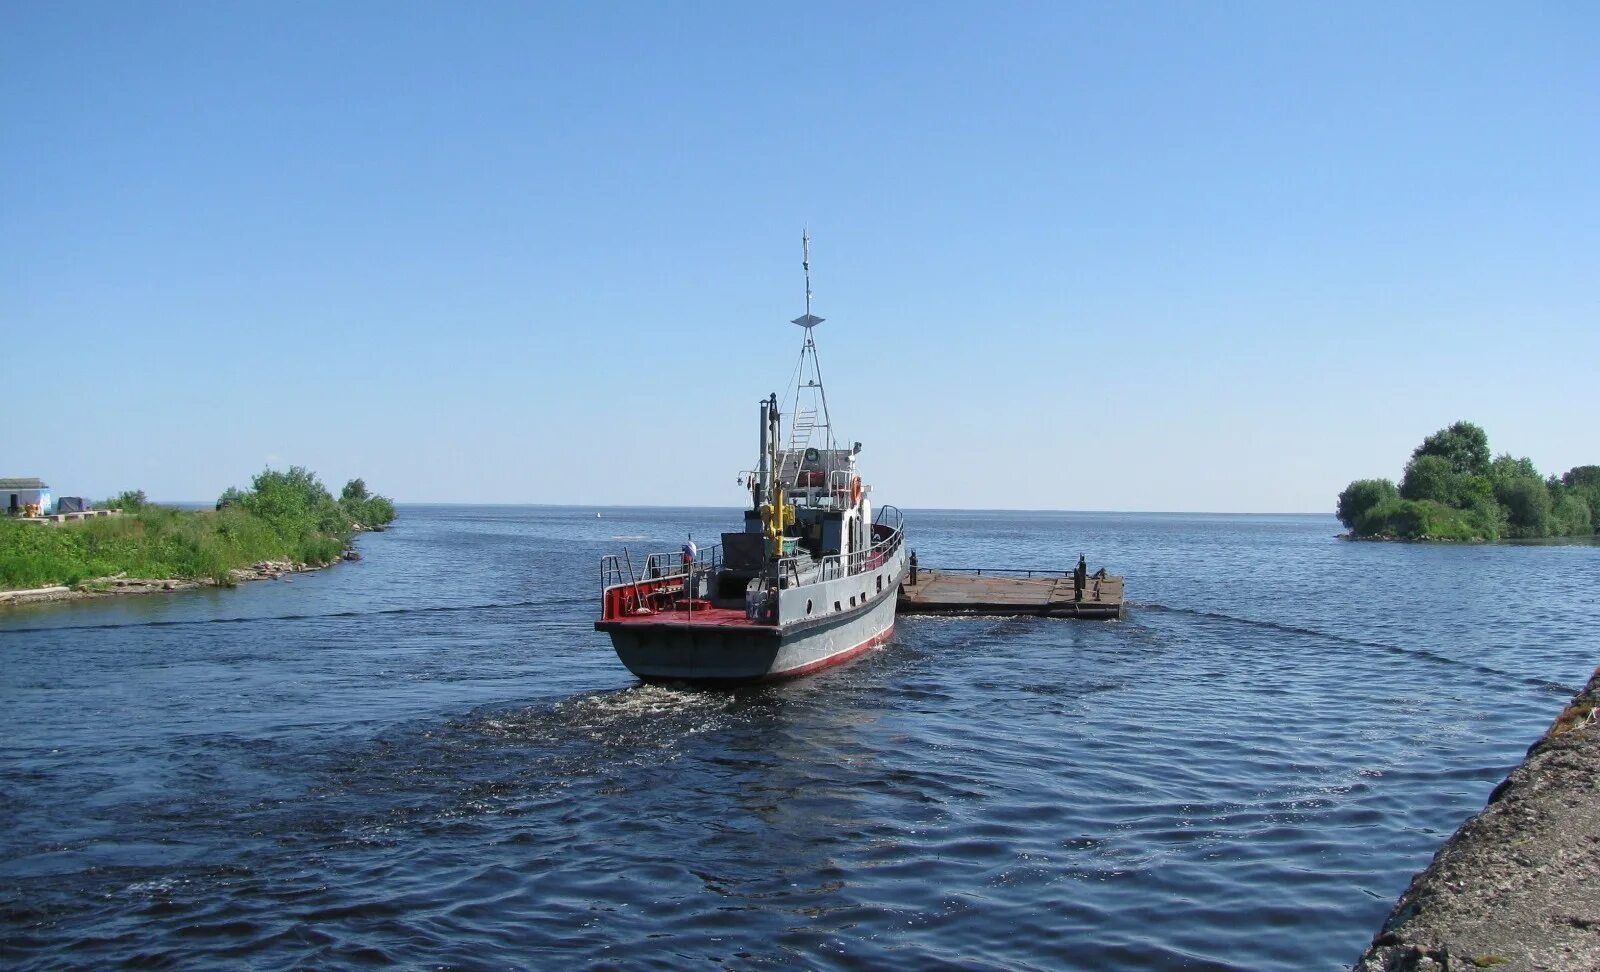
(810, 320)
(805, 263)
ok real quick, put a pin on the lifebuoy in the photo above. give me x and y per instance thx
(855, 490)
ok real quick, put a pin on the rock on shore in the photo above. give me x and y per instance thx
(1518, 886)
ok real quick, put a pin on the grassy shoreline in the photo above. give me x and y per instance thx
(285, 516)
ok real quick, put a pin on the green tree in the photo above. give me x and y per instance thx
(363, 507)
(1581, 476)
(294, 502)
(1451, 489)
(1431, 477)
(1584, 483)
(129, 501)
(1485, 516)
(378, 511)
(1526, 500)
(1571, 516)
(1505, 468)
(1464, 446)
(1361, 496)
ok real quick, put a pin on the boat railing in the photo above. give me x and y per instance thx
(1007, 571)
(835, 566)
(619, 569)
(839, 485)
(789, 572)
(612, 572)
(673, 564)
(832, 568)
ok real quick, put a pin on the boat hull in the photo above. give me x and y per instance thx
(676, 651)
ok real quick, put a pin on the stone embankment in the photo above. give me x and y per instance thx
(1518, 886)
(112, 586)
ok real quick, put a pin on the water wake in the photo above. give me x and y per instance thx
(259, 619)
(1422, 653)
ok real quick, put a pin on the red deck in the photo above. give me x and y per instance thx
(710, 617)
(662, 603)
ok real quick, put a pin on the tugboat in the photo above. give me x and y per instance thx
(810, 581)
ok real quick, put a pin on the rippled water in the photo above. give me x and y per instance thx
(428, 757)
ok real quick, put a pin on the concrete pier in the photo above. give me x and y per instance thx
(1518, 886)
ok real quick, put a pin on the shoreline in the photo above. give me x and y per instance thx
(1513, 888)
(102, 587)
(1394, 538)
(1577, 541)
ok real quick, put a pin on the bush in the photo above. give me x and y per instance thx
(1419, 519)
(1361, 496)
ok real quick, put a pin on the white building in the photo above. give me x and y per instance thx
(16, 495)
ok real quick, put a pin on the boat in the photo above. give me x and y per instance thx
(810, 580)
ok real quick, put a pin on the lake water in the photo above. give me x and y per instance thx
(430, 758)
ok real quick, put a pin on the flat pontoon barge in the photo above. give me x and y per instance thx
(1005, 591)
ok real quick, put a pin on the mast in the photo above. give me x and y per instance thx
(809, 372)
(766, 470)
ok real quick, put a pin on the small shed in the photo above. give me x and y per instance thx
(24, 497)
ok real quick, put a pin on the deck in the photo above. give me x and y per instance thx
(1009, 592)
(700, 617)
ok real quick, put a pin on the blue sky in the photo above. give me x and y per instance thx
(1072, 256)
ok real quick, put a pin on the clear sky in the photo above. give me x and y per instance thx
(1157, 256)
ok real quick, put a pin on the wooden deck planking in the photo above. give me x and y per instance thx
(937, 592)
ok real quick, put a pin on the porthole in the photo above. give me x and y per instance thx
(880, 582)
(852, 600)
(808, 607)
(836, 606)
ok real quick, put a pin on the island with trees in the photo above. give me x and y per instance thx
(285, 521)
(1452, 490)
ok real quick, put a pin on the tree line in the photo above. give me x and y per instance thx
(1452, 489)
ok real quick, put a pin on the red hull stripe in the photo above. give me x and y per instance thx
(837, 658)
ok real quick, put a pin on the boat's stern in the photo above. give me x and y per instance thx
(718, 646)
